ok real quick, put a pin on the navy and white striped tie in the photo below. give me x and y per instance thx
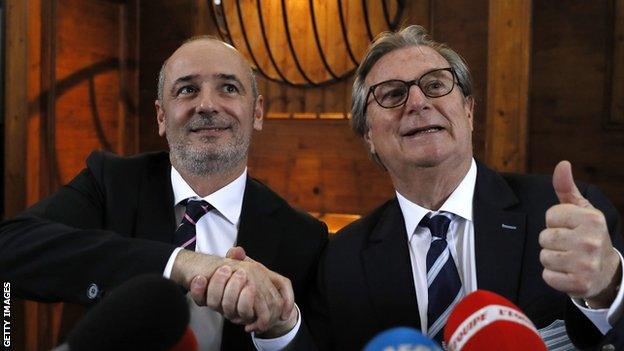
(444, 284)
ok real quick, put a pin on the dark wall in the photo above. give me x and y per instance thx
(571, 91)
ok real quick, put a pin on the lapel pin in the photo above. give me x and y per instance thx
(506, 226)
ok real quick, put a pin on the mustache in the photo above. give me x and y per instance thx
(207, 121)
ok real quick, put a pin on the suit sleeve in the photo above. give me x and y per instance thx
(58, 249)
(582, 331)
(315, 327)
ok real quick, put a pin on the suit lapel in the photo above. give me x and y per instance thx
(499, 235)
(259, 232)
(388, 271)
(155, 215)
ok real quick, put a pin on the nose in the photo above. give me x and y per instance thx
(416, 100)
(206, 102)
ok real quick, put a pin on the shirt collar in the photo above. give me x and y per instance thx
(458, 203)
(228, 200)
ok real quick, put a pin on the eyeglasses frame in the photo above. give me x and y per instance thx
(409, 86)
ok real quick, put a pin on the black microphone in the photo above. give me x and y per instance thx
(148, 312)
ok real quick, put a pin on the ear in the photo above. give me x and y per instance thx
(469, 110)
(369, 141)
(160, 118)
(258, 114)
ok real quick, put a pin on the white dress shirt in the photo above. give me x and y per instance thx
(460, 239)
(216, 233)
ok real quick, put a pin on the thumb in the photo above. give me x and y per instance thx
(236, 253)
(564, 185)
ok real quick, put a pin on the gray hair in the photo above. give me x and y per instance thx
(387, 42)
(161, 73)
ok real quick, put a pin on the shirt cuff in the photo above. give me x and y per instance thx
(278, 343)
(604, 318)
(169, 266)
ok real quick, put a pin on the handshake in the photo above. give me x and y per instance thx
(242, 290)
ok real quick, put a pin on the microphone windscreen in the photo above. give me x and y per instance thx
(148, 312)
(401, 338)
(487, 321)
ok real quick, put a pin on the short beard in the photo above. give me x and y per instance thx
(202, 163)
(208, 160)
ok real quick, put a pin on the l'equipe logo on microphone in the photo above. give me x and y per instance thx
(482, 318)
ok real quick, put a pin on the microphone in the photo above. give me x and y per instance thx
(401, 339)
(148, 312)
(487, 321)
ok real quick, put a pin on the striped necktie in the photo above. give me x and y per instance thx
(444, 284)
(185, 235)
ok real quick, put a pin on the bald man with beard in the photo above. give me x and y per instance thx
(125, 216)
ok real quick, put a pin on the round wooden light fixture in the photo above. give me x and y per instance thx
(304, 43)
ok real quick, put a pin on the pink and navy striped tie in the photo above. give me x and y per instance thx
(444, 284)
(185, 235)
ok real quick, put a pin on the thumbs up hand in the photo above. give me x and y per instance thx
(577, 253)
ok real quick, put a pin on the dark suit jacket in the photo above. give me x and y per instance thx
(115, 220)
(365, 280)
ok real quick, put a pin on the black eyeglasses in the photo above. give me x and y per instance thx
(394, 92)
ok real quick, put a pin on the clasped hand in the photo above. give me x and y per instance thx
(247, 293)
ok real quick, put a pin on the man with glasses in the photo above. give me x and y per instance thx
(455, 225)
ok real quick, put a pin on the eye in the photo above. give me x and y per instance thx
(393, 95)
(186, 90)
(230, 89)
(434, 86)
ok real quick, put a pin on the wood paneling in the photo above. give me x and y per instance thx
(71, 88)
(465, 29)
(509, 45)
(96, 108)
(339, 179)
(16, 107)
(16, 102)
(163, 27)
(570, 90)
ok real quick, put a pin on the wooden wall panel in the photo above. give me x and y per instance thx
(340, 179)
(86, 115)
(164, 25)
(509, 46)
(16, 107)
(570, 89)
(465, 29)
(77, 93)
